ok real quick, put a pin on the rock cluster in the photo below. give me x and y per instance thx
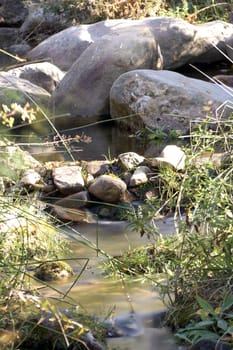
(119, 69)
(86, 191)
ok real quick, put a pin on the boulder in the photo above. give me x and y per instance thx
(165, 100)
(108, 188)
(43, 74)
(8, 36)
(84, 91)
(40, 24)
(65, 47)
(14, 161)
(17, 54)
(21, 91)
(215, 38)
(12, 12)
(68, 179)
(180, 41)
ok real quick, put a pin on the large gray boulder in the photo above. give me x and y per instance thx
(180, 41)
(43, 74)
(8, 36)
(21, 91)
(83, 94)
(65, 47)
(40, 24)
(165, 100)
(84, 91)
(12, 12)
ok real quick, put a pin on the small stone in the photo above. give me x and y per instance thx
(130, 160)
(96, 167)
(75, 201)
(172, 155)
(68, 179)
(30, 177)
(79, 215)
(139, 176)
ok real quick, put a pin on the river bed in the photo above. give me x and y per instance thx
(96, 294)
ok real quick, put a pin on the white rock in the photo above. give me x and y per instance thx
(30, 177)
(68, 179)
(139, 176)
(173, 155)
(130, 160)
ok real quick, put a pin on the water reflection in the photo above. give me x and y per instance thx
(96, 294)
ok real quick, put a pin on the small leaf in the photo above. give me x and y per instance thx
(227, 303)
(230, 330)
(205, 323)
(205, 305)
(183, 337)
(222, 324)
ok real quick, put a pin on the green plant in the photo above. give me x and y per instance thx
(198, 260)
(92, 11)
(210, 323)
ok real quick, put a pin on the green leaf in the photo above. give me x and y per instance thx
(203, 334)
(205, 323)
(230, 330)
(227, 303)
(222, 324)
(183, 337)
(205, 305)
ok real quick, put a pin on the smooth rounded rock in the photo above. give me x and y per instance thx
(108, 188)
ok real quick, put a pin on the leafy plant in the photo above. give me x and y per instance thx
(211, 323)
(198, 260)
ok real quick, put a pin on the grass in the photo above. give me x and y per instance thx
(86, 12)
(193, 269)
(29, 237)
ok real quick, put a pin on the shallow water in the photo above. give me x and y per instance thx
(96, 294)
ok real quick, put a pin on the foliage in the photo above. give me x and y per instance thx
(16, 111)
(210, 323)
(196, 264)
(31, 322)
(28, 237)
(95, 10)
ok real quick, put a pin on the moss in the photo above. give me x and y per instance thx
(52, 271)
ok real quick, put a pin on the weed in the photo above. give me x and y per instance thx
(92, 11)
(193, 269)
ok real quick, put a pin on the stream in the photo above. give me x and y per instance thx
(95, 294)
(89, 289)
